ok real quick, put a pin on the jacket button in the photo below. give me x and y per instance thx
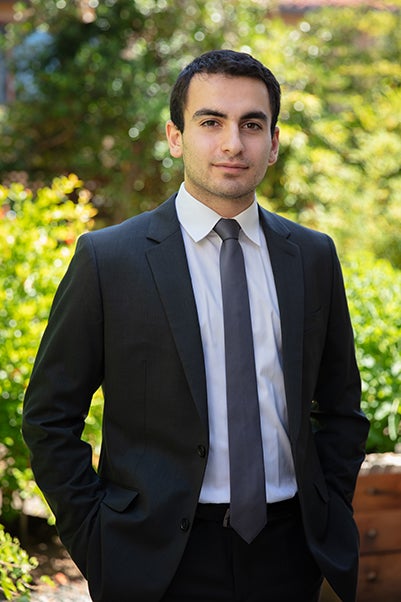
(184, 525)
(201, 451)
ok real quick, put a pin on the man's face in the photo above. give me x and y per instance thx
(226, 145)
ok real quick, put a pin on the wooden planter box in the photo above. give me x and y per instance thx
(377, 504)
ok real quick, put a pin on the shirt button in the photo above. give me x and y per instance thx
(184, 525)
(201, 451)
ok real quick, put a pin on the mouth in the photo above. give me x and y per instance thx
(231, 167)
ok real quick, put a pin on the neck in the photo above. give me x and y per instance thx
(225, 207)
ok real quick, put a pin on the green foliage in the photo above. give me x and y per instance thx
(94, 101)
(15, 568)
(37, 232)
(374, 293)
(341, 124)
(95, 97)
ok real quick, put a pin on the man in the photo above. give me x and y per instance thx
(144, 311)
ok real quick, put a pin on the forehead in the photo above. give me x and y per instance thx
(231, 95)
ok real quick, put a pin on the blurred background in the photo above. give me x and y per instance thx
(84, 92)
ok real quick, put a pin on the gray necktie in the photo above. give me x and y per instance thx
(247, 476)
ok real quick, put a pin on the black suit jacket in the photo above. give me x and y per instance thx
(125, 317)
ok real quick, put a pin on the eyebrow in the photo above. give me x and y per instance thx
(212, 113)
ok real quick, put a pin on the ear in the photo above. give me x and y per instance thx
(174, 138)
(273, 156)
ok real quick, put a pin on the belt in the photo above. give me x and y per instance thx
(220, 513)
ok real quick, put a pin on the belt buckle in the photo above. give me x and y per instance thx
(226, 519)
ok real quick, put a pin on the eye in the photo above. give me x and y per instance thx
(210, 123)
(252, 125)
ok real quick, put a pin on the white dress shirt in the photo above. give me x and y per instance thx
(202, 247)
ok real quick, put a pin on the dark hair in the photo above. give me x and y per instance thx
(227, 62)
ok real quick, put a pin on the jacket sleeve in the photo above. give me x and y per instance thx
(340, 426)
(67, 371)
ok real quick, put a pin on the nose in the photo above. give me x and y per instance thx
(231, 143)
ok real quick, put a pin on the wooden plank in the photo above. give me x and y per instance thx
(379, 531)
(380, 578)
(378, 490)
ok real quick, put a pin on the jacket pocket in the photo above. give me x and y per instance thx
(119, 499)
(107, 547)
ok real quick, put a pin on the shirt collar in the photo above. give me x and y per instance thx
(199, 220)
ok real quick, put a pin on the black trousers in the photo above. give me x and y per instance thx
(218, 566)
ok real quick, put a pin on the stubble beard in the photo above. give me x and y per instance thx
(207, 192)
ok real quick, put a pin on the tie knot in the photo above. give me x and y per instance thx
(227, 228)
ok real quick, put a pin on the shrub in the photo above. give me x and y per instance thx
(374, 293)
(15, 567)
(37, 232)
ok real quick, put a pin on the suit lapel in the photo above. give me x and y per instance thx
(287, 268)
(167, 260)
(169, 266)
